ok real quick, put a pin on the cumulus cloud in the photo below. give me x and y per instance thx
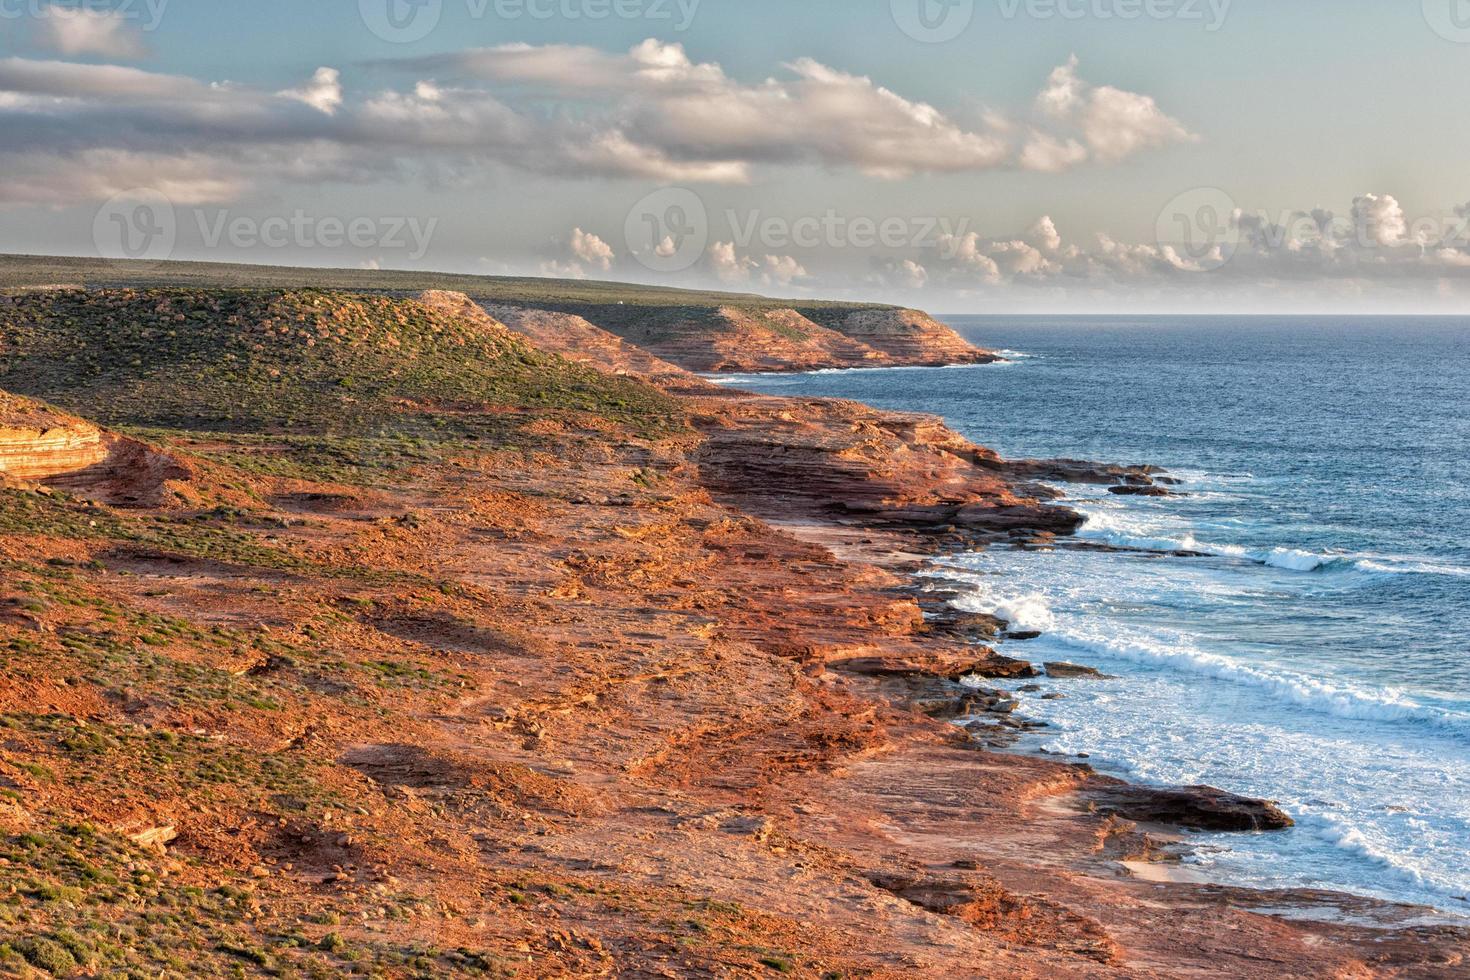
(732, 268)
(1114, 124)
(1374, 241)
(650, 113)
(1050, 154)
(323, 92)
(1379, 220)
(588, 248)
(910, 274)
(813, 113)
(76, 31)
(584, 250)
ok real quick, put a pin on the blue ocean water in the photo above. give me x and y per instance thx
(1319, 652)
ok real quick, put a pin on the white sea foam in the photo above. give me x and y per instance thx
(1341, 699)
(1120, 531)
(1026, 612)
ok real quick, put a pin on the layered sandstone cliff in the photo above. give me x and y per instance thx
(905, 337)
(760, 338)
(37, 442)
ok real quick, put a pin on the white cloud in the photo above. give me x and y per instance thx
(108, 83)
(782, 270)
(323, 92)
(678, 110)
(1379, 220)
(557, 269)
(75, 31)
(1115, 124)
(97, 175)
(911, 274)
(588, 248)
(1049, 154)
(650, 113)
(1376, 243)
(730, 267)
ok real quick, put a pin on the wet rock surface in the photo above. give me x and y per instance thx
(1192, 807)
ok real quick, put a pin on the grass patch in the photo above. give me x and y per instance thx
(309, 362)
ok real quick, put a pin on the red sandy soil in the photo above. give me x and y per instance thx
(610, 708)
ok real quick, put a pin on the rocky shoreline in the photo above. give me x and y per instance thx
(638, 682)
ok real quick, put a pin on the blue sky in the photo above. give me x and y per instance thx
(532, 159)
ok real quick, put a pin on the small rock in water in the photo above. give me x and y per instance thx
(1064, 669)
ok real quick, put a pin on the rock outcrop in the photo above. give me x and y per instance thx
(40, 444)
(905, 337)
(835, 460)
(734, 338)
(1193, 807)
(577, 339)
(37, 441)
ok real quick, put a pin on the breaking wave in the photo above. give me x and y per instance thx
(1342, 700)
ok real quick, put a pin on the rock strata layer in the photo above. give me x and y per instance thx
(744, 339)
(37, 442)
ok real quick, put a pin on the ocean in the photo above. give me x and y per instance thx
(1318, 652)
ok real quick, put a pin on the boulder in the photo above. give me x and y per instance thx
(1192, 807)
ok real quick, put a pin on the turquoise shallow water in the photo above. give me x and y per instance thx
(1319, 653)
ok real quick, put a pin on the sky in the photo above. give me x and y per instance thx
(1192, 156)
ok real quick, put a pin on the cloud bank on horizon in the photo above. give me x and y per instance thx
(84, 125)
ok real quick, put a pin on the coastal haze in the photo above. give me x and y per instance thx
(684, 488)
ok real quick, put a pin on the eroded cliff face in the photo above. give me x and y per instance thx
(575, 338)
(805, 459)
(905, 337)
(37, 442)
(41, 445)
(740, 339)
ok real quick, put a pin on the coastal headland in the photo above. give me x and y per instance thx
(403, 625)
